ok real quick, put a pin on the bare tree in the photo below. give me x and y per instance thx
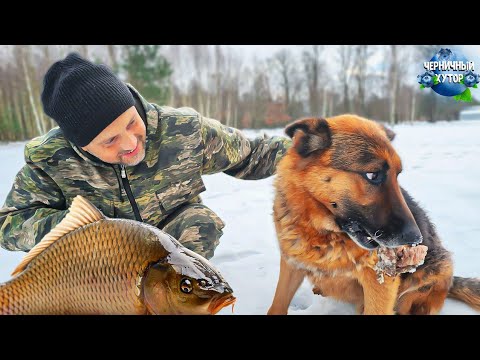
(5, 107)
(22, 53)
(312, 67)
(112, 54)
(284, 66)
(425, 53)
(325, 103)
(361, 71)
(393, 81)
(178, 89)
(84, 51)
(213, 80)
(413, 69)
(235, 76)
(218, 79)
(399, 59)
(345, 55)
(200, 59)
(261, 94)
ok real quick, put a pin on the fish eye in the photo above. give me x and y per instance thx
(186, 286)
(203, 282)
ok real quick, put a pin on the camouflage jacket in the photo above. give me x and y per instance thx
(181, 146)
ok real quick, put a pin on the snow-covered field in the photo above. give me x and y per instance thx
(441, 171)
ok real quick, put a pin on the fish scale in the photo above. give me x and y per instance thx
(56, 278)
(91, 264)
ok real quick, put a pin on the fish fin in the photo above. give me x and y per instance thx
(82, 212)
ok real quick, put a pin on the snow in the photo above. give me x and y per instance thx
(439, 170)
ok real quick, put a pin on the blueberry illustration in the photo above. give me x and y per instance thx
(444, 55)
(470, 78)
(426, 79)
(447, 88)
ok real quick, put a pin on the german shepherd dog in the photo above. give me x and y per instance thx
(337, 199)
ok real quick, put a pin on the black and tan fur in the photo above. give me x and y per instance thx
(337, 199)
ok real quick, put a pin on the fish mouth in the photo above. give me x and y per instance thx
(219, 303)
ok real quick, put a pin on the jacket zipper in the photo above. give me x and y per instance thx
(120, 184)
(128, 190)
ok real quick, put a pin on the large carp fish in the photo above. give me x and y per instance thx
(92, 264)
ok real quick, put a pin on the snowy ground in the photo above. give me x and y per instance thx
(440, 172)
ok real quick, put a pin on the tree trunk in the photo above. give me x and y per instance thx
(433, 108)
(219, 63)
(113, 57)
(84, 51)
(412, 110)
(346, 98)
(234, 115)
(393, 84)
(330, 107)
(207, 105)
(4, 116)
(345, 59)
(26, 131)
(200, 100)
(325, 105)
(47, 122)
(228, 120)
(37, 119)
(287, 92)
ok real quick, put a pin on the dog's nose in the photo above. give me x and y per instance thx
(411, 236)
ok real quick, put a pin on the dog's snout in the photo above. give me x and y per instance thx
(411, 236)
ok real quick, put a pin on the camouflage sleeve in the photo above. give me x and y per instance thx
(228, 150)
(33, 206)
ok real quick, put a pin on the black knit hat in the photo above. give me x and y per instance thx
(83, 97)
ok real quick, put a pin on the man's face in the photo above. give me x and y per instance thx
(121, 142)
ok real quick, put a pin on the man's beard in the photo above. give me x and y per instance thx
(138, 157)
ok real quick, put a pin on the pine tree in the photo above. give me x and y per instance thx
(148, 71)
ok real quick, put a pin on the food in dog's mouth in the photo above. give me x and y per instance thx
(402, 259)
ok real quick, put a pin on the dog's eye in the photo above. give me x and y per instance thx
(375, 177)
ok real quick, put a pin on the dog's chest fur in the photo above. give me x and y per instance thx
(327, 255)
(322, 254)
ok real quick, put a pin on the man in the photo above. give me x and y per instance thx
(131, 158)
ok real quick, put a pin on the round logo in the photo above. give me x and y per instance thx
(447, 88)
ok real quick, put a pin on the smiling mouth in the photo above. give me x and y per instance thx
(133, 152)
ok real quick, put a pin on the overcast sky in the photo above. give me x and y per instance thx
(263, 51)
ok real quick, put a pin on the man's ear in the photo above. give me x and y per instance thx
(309, 134)
(390, 133)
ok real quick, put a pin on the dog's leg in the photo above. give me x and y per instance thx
(341, 288)
(432, 304)
(428, 291)
(288, 282)
(379, 298)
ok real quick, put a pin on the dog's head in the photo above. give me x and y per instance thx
(349, 166)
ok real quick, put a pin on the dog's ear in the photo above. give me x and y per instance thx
(390, 133)
(309, 135)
